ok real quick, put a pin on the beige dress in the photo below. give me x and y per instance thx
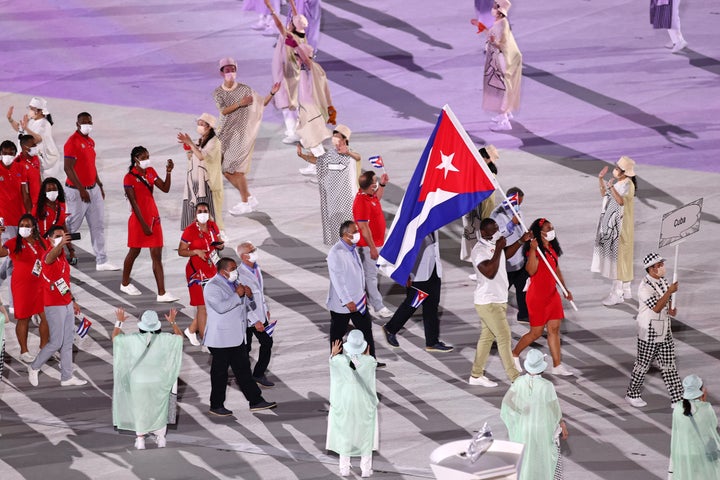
(503, 70)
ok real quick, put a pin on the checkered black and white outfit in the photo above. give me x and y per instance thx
(655, 341)
(337, 181)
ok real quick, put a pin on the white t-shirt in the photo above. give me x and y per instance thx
(488, 290)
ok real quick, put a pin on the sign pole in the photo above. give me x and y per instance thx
(675, 273)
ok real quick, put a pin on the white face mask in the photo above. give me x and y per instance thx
(7, 160)
(25, 232)
(85, 128)
(232, 276)
(496, 236)
(33, 151)
(57, 241)
(52, 195)
(144, 164)
(550, 235)
(661, 271)
(355, 238)
(253, 257)
(201, 130)
(203, 217)
(230, 76)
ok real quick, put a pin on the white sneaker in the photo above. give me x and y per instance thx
(482, 381)
(33, 376)
(308, 171)
(636, 402)
(191, 336)
(613, 299)
(518, 366)
(130, 289)
(27, 357)
(290, 139)
(473, 277)
(35, 319)
(384, 312)
(345, 472)
(140, 443)
(167, 298)
(161, 441)
(240, 209)
(106, 267)
(679, 46)
(204, 349)
(253, 202)
(627, 294)
(669, 44)
(73, 382)
(561, 370)
(366, 473)
(501, 126)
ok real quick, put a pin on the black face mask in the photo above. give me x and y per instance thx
(301, 35)
(492, 168)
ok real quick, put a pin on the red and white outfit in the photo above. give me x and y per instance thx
(543, 299)
(54, 215)
(197, 270)
(366, 208)
(143, 186)
(26, 281)
(31, 165)
(12, 179)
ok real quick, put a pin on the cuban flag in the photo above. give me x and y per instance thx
(84, 327)
(377, 161)
(513, 200)
(450, 179)
(420, 297)
(270, 328)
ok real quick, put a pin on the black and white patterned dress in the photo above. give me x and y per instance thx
(337, 180)
(237, 130)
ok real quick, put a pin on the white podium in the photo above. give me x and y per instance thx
(501, 462)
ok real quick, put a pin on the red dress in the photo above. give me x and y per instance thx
(143, 185)
(26, 287)
(197, 270)
(543, 299)
(53, 216)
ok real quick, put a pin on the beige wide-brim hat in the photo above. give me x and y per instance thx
(224, 62)
(209, 119)
(503, 6)
(492, 153)
(627, 165)
(343, 130)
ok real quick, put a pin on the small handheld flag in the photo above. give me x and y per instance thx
(377, 161)
(420, 297)
(361, 305)
(84, 327)
(270, 328)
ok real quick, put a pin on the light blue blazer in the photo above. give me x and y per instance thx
(226, 314)
(347, 281)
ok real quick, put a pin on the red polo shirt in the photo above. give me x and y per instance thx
(11, 201)
(32, 169)
(366, 208)
(51, 273)
(82, 149)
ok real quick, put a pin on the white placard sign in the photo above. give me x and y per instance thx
(681, 223)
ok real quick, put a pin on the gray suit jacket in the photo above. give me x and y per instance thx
(257, 308)
(347, 281)
(226, 314)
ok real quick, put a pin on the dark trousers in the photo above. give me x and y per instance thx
(236, 358)
(518, 279)
(339, 323)
(266, 343)
(431, 322)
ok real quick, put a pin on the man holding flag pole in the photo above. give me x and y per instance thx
(451, 178)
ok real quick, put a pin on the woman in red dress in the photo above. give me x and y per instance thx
(50, 210)
(200, 242)
(144, 229)
(26, 251)
(543, 300)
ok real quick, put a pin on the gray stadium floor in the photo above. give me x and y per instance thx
(598, 84)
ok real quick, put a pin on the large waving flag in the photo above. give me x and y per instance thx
(450, 179)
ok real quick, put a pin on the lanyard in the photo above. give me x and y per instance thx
(31, 248)
(62, 272)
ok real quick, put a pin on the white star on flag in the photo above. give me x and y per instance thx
(446, 163)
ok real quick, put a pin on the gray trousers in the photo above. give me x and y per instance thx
(375, 300)
(94, 212)
(61, 320)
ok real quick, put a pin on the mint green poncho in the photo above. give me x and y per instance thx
(352, 421)
(531, 412)
(141, 389)
(687, 449)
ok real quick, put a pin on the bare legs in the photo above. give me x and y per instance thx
(553, 340)
(22, 328)
(198, 324)
(239, 181)
(157, 267)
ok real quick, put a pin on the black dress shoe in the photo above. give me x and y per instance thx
(220, 412)
(381, 365)
(264, 381)
(262, 405)
(390, 337)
